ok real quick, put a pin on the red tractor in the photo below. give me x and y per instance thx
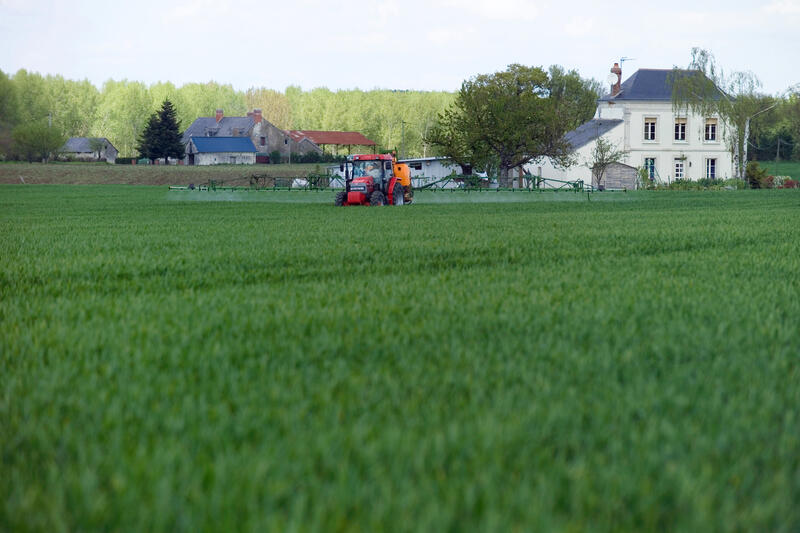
(374, 180)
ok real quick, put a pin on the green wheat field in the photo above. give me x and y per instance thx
(263, 361)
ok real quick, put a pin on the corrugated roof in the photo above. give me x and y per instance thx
(82, 144)
(223, 144)
(649, 84)
(345, 138)
(586, 133)
(202, 126)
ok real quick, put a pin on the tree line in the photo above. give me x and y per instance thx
(120, 110)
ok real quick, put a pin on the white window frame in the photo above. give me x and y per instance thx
(651, 169)
(711, 125)
(680, 168)
(711, 168)
(679, 134)
(652, 131)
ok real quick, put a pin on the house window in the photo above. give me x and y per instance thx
(416, 166)
(711, 130)
(680, 129)
(650, 129)
(263, 141)
(233, 160)
(650, 165)
(678, 169)
(711, 168)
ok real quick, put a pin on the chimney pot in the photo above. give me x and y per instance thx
(257, 115)
(219, 115)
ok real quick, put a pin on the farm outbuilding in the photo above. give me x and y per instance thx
(90, 149)
(220, 150)
(334, 139)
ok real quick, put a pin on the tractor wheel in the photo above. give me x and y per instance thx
(397, 194)
(340, 196)
(408, 194)
(377, 198)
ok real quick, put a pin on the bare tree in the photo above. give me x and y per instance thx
(604, 154)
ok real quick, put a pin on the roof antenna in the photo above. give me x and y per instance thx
(623, 59)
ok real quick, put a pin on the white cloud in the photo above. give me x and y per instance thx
(516, 10)
(784, 7)
(578, 27)
(444, 36)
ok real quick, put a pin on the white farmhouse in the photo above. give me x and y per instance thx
(637, 116)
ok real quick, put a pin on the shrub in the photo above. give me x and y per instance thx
(275, 157)
(755, 175)
(789, 183)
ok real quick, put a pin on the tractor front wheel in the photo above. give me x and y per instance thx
(340, 196)
(397, 194)
(377, 198)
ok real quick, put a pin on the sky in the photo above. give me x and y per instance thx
(388, 44)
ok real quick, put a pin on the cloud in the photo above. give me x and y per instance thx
(578, 27)
(443, 36)
(517, 10)
(784, 7)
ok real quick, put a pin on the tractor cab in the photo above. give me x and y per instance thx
(370, 180)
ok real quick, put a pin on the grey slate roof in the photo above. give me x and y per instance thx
(648, 84)
(202, 126)
(589, 131)
(223, 144)
(80, 145)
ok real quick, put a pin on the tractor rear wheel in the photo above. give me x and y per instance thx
(340, 196)
(377, 198)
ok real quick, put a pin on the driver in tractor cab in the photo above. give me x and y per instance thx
(373, 170)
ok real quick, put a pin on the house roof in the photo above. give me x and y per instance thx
(223, 144)
(346, 138)
(82, 144)
(586, 133)
(227, 127)
(649, 84)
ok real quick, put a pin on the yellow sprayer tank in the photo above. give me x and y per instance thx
(403, 173)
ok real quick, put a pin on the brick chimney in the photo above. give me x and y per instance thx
(616, 87)
(219, 115)
(257, 115)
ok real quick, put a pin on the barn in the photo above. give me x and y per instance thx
(90, 149)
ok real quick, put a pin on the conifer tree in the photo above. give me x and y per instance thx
(161, 137)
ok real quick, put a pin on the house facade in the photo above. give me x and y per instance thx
(220, 151)
(264, 136)
(637, 116)
(90, 149)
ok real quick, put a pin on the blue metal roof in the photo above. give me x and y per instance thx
(223, 144)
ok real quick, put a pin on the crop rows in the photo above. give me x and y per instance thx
(169, 362)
